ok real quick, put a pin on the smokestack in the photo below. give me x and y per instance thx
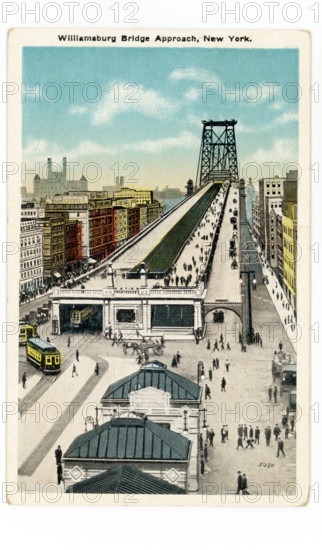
(49, 168)
(65, 169)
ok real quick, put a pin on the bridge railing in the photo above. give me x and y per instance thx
(106, 292)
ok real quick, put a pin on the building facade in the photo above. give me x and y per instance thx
(31, 254)
(268, 188)
(290, 253)
(139, 196)
(120, 224)
(165, 398)
(57, 181)
(74, 243)
(55, 258)
(135, 441)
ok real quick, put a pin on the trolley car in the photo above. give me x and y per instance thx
(79, 316)
(26, 331)
(43, 355)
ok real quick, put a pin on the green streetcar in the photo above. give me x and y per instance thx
(44, 355)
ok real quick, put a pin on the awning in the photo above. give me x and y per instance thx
(92, 261)
(57, 275)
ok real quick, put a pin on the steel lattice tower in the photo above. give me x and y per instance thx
(218, 155)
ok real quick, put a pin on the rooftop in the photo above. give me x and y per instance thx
(130, 439)
(155, 374)
(125, 479)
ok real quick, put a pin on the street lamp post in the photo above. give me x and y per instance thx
(201, 371)
(204, 426)
(247, 304)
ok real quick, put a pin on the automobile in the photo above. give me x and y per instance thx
(288, 378)
(291, 407)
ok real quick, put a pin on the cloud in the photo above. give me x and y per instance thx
(39, 150)
(183, 140)
(194, 73)
(193, 93)
(131, 98)
(282, 151)
(78, 110)
(287, 117)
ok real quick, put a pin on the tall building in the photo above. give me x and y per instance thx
(256, 216)
(74, 248)
(250, 196)
(31, 254)
(140, 196)
(290, 235)
(57, 182)
(55, 257)
(289, 253)
(76, 205)
(120, 224)
(271, 188)
(273, 206)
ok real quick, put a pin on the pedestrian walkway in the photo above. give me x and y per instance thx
(246, 402)
(224, 282)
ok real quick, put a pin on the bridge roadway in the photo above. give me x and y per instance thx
(223, 283)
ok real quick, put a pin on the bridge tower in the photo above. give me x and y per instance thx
(218, 155)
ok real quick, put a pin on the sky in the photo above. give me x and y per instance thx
(142, 107)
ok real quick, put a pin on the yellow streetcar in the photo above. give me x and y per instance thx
(44, 355)
(79, 316)
(26, 331)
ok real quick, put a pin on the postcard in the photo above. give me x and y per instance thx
(158, 253)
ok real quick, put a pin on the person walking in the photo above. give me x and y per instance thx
(244, 485)
(251, 432)
(59, 474)
(68, 342)
(245, 431)
(200, 442)
(280, 447)
(239, 482)
(214, 364)
(276, 431)
(275, 394)
(249, 443)
(77, 355)
(210, 374)
(202, 466)
(240, 430)
(215, 348)
(227, 364)
(240, 443)
(97, 369)
(228, 346)
(205, 452)
(217, 363)
(287, 431)
(178, 356)
(174, 362)
(270, 393)
(268, 433)
(223, 385)
(208, 344)
(207, 392)
(58, 454)
(110, 331)
(223, 434)
(292, 423)
(257, 434)
(24, 380)
(226, 431)
(74, 371)
(280, 345)
(211, 437)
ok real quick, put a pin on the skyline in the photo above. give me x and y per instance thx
(161, 132)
